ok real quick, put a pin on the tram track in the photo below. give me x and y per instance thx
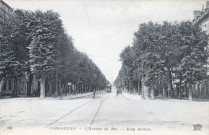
(68, 113)
(77, 108)
(98, 110)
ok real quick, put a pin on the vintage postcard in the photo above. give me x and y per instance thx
(120, 67)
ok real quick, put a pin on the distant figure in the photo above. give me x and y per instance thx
(94, 93)
(118, 92)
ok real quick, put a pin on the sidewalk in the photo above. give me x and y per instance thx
(129, 96)
(136, 97)
(64, 97)
(80, 95)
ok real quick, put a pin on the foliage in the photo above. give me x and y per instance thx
(36, 43)
(164, 51)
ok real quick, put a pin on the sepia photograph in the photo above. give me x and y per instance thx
(97, 67)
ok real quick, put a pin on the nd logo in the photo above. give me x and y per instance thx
(197, 127)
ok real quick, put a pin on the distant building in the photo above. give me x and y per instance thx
(6, 84)
(201, 18)
(5, 11)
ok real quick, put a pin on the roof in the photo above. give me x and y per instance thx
(5, 4)
(202, 18)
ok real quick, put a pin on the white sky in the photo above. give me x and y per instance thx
(102, 28)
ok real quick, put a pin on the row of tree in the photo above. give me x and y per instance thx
(36, 44)
(167, 59)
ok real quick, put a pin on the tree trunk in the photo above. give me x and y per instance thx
(84, 89)
(206, 88)
(29, 85)
(190, 91)
(160, 90)
(128, 88)
(35, 86)
(180, 89)
(15, 87)
(164, 93)
(139, 87)
(75, 89)
(56, 82)
(1, 85)
(170, 81)
(42, 91)
(50, 88)
(7, 84)
(61, 91)
(152, 93)
(145, 91)
(199, 88)
(194, 90)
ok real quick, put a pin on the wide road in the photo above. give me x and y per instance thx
(107, 110)
(122, 113)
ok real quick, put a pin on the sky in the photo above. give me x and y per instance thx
(103, 28)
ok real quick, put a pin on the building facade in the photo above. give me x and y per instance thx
(5, 11)
(6, 83)
(201, 18)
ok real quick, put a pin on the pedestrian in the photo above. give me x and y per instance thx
(94, 93)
